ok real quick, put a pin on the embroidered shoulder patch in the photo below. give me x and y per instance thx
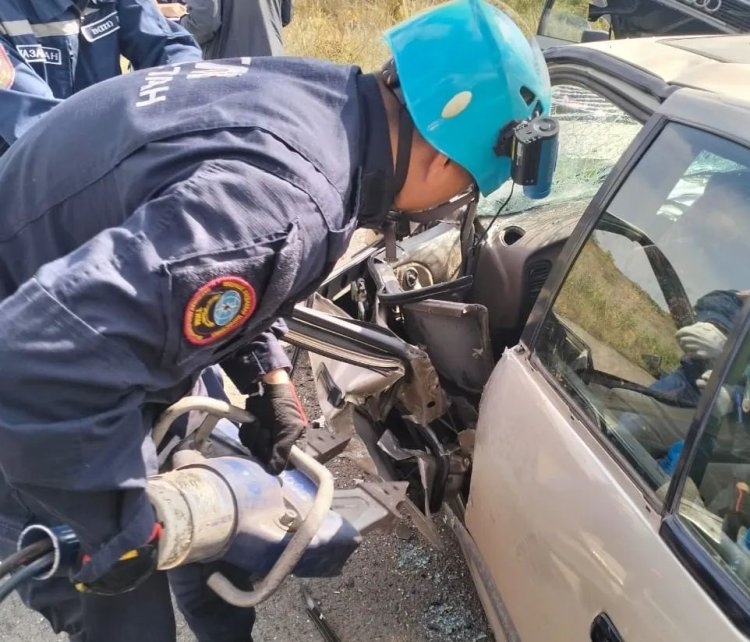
(217, 308)
(7, 70)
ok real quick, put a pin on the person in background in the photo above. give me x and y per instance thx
(701, 343)
(230, 29)
(51, 50)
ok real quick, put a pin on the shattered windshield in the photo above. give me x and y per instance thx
(594, 133)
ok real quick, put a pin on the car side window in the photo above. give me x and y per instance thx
(646, 306)
(572, 22)
(715, 500)
(594, 132)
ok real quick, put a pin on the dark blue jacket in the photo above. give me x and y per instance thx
(58, 47)
(136, 250)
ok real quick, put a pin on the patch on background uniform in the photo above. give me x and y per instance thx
(7, 70)
(218, 307)
(38, 54)
(93, 31)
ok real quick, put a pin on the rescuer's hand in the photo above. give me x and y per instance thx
(280, 420)
(130, 571)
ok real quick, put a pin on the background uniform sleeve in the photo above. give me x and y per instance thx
(147, 39)
(203, 19)
(24, 96)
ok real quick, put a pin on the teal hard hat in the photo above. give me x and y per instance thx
(466, 72)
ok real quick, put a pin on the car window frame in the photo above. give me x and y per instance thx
(585, 227)
(718, 584)
(636, 104)
(695, 558)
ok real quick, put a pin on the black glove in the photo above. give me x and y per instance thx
(129, 572)
(280, 422)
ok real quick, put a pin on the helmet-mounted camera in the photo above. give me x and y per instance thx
(531, 146)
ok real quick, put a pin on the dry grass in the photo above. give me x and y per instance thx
(346, 32)
(351, 31)
(612, 308)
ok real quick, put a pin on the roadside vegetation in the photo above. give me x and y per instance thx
(350, 31)
(599, 298)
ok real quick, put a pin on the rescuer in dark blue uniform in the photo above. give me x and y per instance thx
(50, 50)
(161, 222)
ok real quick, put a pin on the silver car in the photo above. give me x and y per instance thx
(568, 381)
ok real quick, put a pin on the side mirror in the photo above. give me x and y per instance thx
(594, 35)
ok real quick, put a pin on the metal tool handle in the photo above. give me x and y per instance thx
(216, 407)
(306, 531)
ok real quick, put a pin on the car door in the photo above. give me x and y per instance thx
(588, 429)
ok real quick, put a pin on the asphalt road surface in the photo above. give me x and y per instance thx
(395, 588)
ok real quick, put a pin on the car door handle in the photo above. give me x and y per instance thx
(604, 630)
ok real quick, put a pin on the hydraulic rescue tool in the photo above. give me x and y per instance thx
(227, 507)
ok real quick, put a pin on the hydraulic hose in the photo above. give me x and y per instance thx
(25, 574)
(24, 556)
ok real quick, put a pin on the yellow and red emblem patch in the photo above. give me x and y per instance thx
(217, 308)
(7, 70)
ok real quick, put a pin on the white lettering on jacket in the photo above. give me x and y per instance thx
(156, 86)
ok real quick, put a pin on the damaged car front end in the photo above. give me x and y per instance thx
(401, 350)
(402, 340)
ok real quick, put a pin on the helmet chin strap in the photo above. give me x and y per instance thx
(405, 127)
(403, 154)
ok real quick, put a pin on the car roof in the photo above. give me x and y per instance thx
(719, 64)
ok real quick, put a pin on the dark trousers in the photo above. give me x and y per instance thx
(142, 615)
